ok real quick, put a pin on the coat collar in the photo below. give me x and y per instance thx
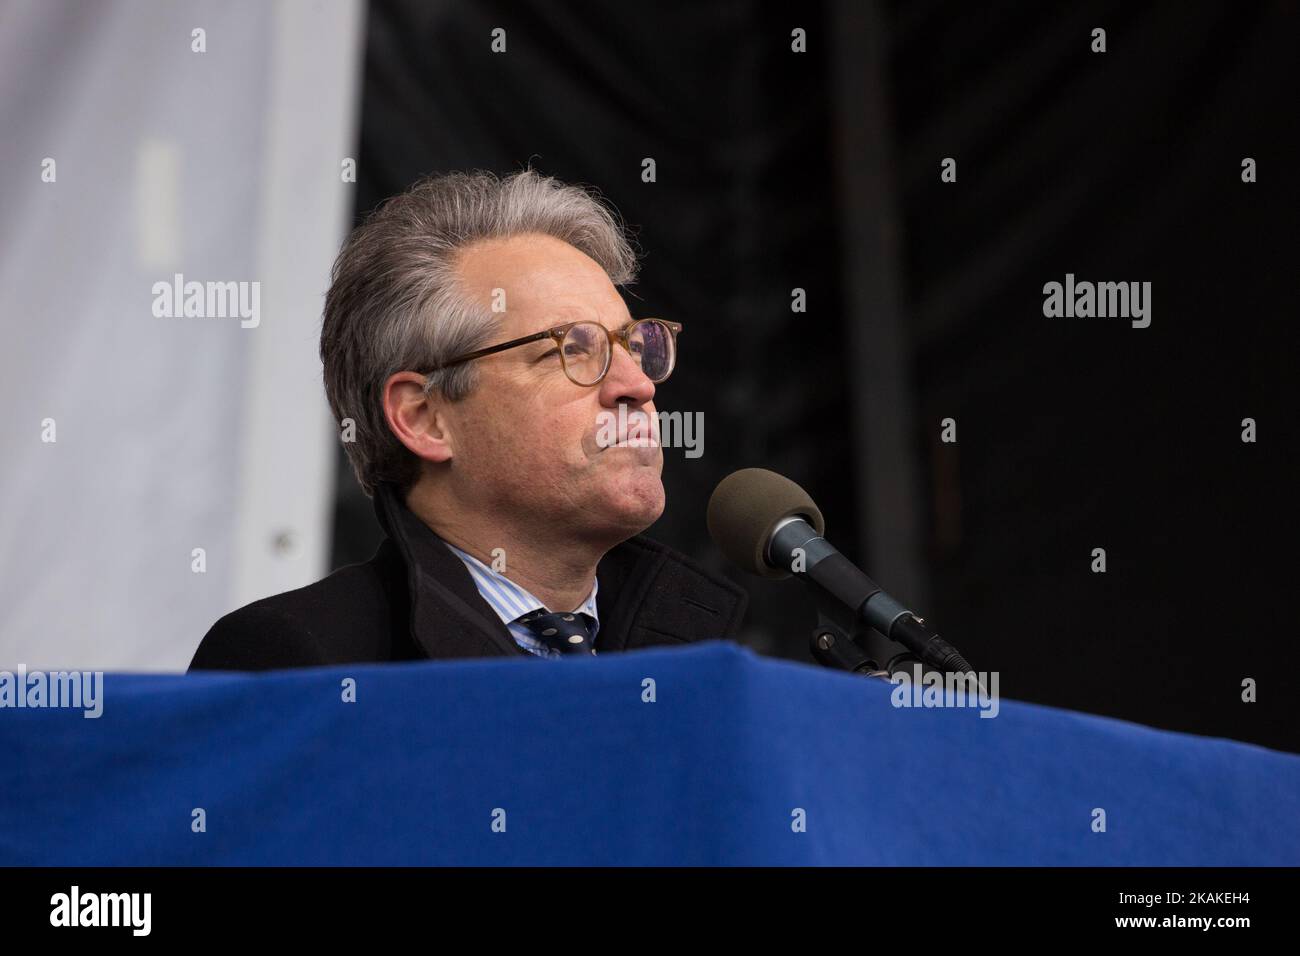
(649, 594)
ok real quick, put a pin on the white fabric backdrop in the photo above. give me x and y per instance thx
(172, 433)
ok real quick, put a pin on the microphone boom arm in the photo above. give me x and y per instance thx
(841, 585)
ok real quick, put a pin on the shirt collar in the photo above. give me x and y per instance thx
(507, 599)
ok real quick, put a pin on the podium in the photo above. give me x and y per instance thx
(700, 754)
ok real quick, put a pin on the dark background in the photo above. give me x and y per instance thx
(821, 171)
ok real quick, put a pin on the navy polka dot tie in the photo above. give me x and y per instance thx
(566, 633)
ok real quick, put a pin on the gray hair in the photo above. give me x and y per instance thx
(395, 301)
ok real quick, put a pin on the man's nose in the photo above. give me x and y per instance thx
(625, 383)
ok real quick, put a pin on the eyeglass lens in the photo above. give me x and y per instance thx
(586, 351)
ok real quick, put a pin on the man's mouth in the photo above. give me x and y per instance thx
(647, 441)
(636, 431)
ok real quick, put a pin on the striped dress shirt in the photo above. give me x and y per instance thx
(511, 602)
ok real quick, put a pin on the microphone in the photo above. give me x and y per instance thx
(769, 526)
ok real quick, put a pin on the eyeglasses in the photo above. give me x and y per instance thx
(586, 349)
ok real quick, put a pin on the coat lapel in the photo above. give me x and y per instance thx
(649, 594)
(659, 596)
(449, 618)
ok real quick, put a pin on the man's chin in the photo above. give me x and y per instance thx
(635, 501)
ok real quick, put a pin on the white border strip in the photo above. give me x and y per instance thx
(287, 439)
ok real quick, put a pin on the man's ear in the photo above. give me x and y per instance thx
(417, 418)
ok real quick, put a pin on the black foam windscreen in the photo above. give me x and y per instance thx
(745, 509)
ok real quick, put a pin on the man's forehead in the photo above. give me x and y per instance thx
(577, 312)
(547, 315)
(541, 284)
(529, 264)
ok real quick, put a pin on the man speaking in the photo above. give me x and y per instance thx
(477, 347)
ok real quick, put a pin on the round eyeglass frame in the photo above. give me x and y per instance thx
(622, 337)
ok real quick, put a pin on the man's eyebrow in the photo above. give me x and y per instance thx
(541, 345)
(572, 308)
